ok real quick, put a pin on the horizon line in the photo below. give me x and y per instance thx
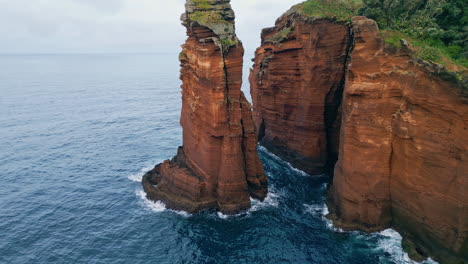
(85, 53)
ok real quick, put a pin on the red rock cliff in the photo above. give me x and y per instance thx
(403, 160)
(218, 166)
(402, 125)
(296, 86)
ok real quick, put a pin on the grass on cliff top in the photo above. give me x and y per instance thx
(429, 50)
(204, 14)
(426, 49)
(341, 10)
(207, 17)
(202, 4)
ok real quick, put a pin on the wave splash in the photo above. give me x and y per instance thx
(151, 205)
(389, 241)
(157, 206)
(321, 210)
(278, 159)
(271, 201)
(137, 177)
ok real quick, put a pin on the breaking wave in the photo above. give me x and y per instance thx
(389, 241)
(278, 159)
(271, 201)
(136, 177)
(321, 211)
(151, 205)
(157, 206)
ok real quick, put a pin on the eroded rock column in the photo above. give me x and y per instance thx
(218, 166)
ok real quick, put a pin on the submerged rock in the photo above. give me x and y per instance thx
(218, 166)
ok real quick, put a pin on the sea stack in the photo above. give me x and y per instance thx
(218, 165)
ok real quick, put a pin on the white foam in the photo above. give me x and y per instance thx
(137, 177)
(316, 209)
(157, 206)
(151, 205)
(223, 216)
(181, 213)
(291, 167)
(321, 210)
(390, 242)
(271, 201)
(332, 227)
(324, 187)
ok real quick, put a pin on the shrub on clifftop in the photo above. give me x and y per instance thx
(439, 27)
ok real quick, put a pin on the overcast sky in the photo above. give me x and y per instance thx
(88, 26)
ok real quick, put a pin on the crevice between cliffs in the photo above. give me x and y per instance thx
(332, 115)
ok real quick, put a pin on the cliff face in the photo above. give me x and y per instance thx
(296, 86)
(403, 161)
(402, 147)
(218, 166)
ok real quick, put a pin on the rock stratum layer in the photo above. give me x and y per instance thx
(218, 166)
(296, 87)
(402, 125)
(404, 157)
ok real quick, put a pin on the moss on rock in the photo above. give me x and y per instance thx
(341, 10)
(280, 36)
(216, 15)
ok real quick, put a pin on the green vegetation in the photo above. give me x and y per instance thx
(341, 10)
(427, 49)
(207, 14)
(226, 43)
(202, 4)
(280, 36)
(182, 56)
(216, 22)
(436, 29)
(206, 17)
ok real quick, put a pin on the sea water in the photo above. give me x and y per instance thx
(77, 132)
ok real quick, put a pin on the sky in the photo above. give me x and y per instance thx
(114, 26)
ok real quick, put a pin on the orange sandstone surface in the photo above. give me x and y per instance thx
(403, 160)
(218, 166)
(296, 87)
(327, 91)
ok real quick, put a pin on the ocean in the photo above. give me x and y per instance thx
(78, 131)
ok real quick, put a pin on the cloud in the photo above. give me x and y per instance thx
(254, 15)
(51, 26)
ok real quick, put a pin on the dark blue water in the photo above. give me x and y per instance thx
(76, 132)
